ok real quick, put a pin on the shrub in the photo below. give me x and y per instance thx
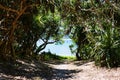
(105, 43)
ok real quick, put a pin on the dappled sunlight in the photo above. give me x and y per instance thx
(82, 62)
(64, 74)
(83, 70)
(59, 39)
(25, 70)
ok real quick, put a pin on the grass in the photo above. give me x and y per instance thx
(68, 57)
(49, 56)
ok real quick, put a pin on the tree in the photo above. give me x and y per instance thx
(11, 12)
(92, 24)
(20, 30)
(98, 17)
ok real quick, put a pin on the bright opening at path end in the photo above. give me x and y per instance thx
(60, 49)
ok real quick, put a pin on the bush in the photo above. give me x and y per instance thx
(105, 43)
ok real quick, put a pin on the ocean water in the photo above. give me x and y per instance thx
(59, 49)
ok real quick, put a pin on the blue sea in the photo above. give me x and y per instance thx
(59, 49)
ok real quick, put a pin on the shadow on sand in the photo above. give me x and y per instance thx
(29, 70)
(63, 74)
(23, 69)
(82, 62)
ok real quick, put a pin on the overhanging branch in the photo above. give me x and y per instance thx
(8, 9)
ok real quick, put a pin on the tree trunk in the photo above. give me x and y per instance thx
(78, 54)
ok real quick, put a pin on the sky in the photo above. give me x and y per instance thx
(60, 49)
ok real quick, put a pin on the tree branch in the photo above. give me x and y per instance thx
(8, 9)
(16, 19)
(42, 46)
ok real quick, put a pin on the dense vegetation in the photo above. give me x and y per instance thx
(92, 24)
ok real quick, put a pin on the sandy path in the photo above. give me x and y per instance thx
(87, 71)
(64, 70)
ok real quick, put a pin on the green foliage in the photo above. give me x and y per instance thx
(85, 51)
(68, 57)
(105, 43)
(101, 30)
(46, 56)
(23, 23)
(93, 26)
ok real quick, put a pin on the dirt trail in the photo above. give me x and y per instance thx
(77, 70)
(58, 70)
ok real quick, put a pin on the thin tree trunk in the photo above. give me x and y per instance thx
(78, 54)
